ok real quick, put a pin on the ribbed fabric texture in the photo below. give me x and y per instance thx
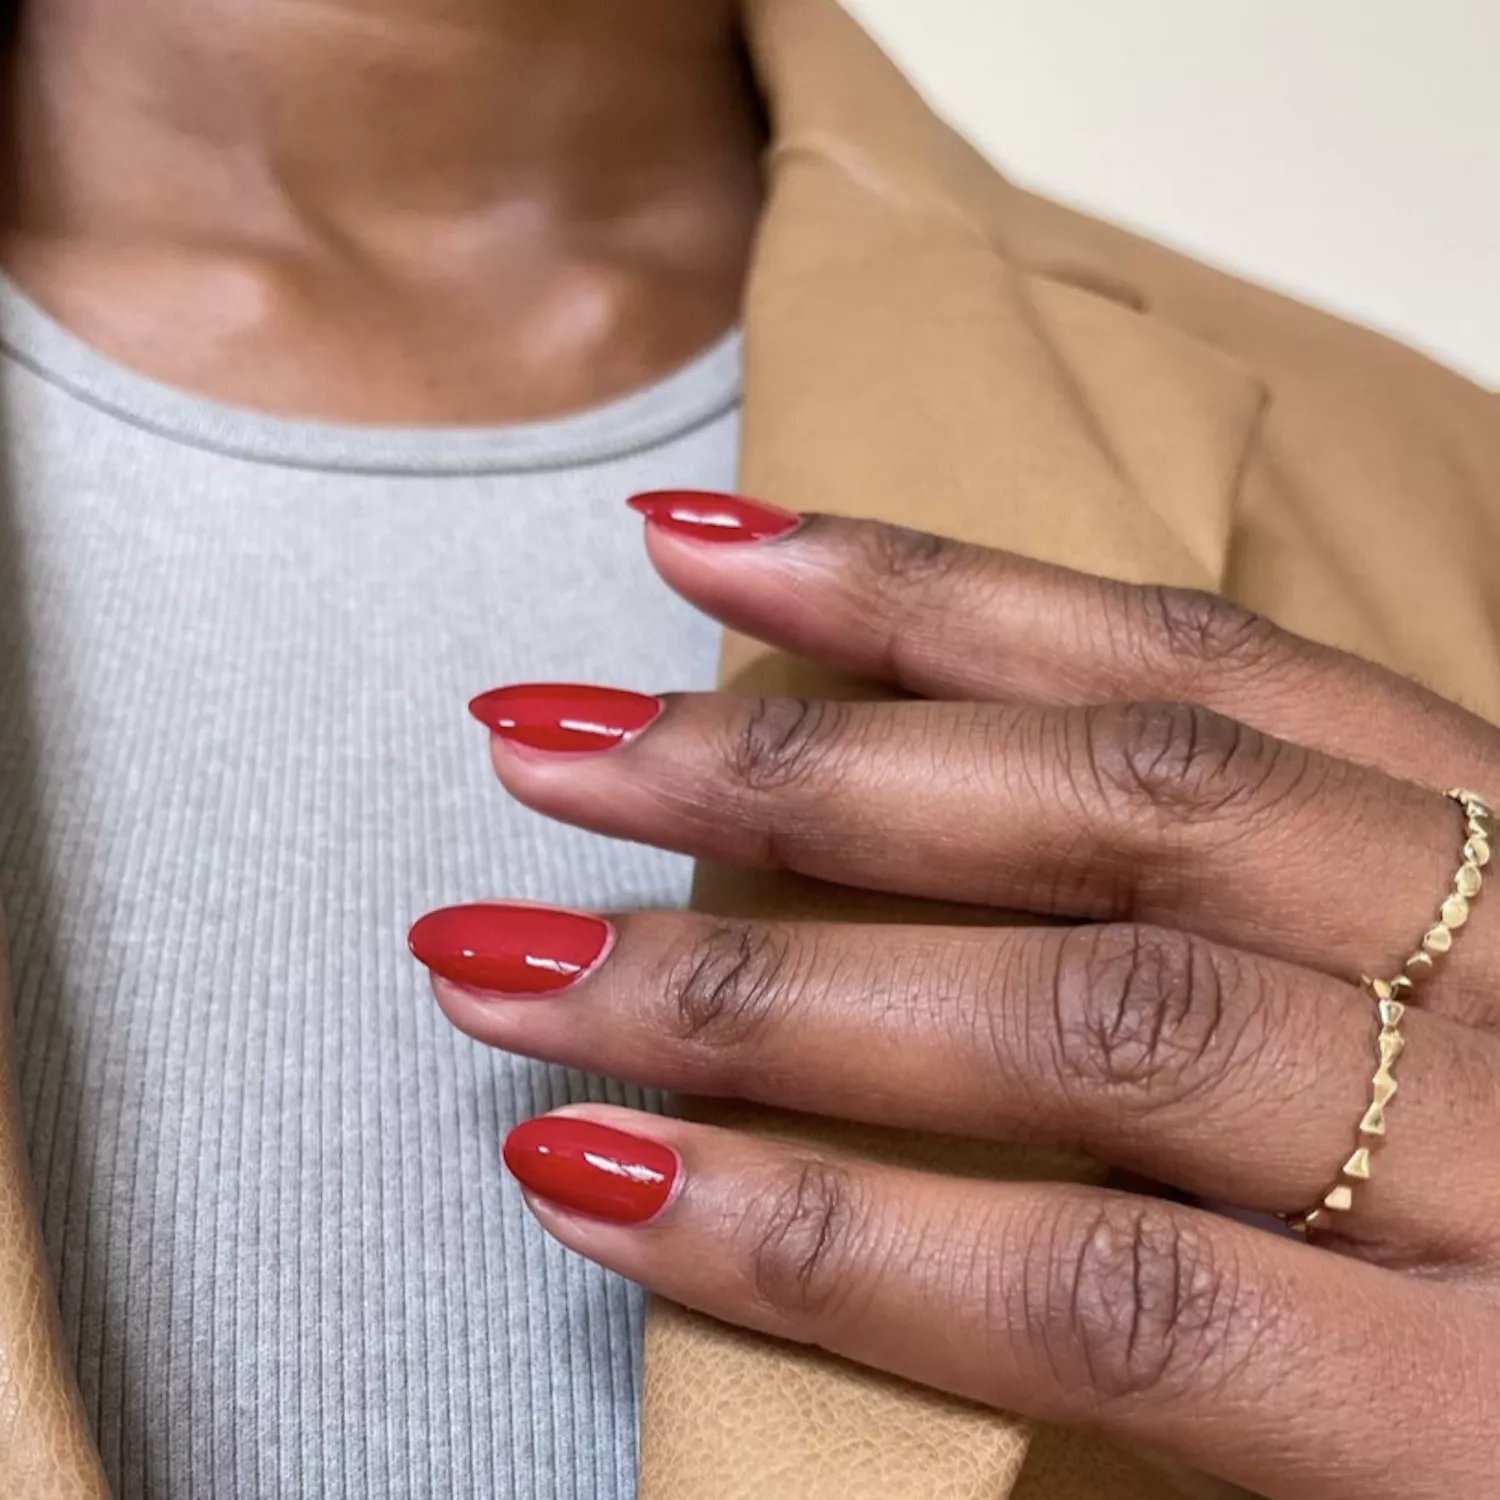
(234, 765)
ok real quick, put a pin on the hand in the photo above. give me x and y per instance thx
(1236, 825)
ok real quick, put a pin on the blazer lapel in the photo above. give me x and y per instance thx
(903, 360)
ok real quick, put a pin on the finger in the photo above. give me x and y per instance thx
(945, 619)
(1223, 1346)
(1231, 1077)
(1154, 812)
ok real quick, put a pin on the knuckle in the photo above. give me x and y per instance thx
(1171, 758)
(729, 983)
(799, 1242)
(778, 743)
(1135, 1302)
(1202, 631)
(907, 584)
(1138, 1012)
(903, 558)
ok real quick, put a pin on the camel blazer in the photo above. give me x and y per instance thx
(927, 343)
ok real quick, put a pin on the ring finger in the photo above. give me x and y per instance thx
(1227, 1074)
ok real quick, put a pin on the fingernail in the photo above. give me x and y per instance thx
(508, 950)
(706, 516)
(592, 1169)
(564, 717)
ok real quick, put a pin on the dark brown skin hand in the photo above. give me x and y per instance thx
(401, 211)
(1233, 825)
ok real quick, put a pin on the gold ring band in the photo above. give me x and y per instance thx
(1391, 995)
(1339, 1199)
(1468, 881)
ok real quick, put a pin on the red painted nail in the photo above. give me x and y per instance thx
(559, 716)
(704, 516)
(510, 950)
(591, 1168)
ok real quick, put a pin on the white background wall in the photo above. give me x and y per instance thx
(1346, 150)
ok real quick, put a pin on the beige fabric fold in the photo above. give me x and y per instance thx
(45, 1449)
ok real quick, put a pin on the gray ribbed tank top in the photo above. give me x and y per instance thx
(235, 764)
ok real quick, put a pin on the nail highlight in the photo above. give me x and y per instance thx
(507, 950)
(565, 718)
(707, 516)
(592, 1169)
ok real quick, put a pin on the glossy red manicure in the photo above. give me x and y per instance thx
(705, 516)
(592, 1169)
(510, 950)
(564, 717)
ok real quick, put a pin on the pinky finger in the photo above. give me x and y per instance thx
(1252, 1357)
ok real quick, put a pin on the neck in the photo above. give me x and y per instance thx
(453, 209)
(174, 111)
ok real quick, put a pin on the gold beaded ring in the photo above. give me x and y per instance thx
(1391, 997)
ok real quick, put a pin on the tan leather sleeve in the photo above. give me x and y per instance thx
(46, 1452)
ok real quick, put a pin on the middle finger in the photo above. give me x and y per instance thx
(1158, 813)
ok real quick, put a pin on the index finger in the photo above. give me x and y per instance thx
(946, 619)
